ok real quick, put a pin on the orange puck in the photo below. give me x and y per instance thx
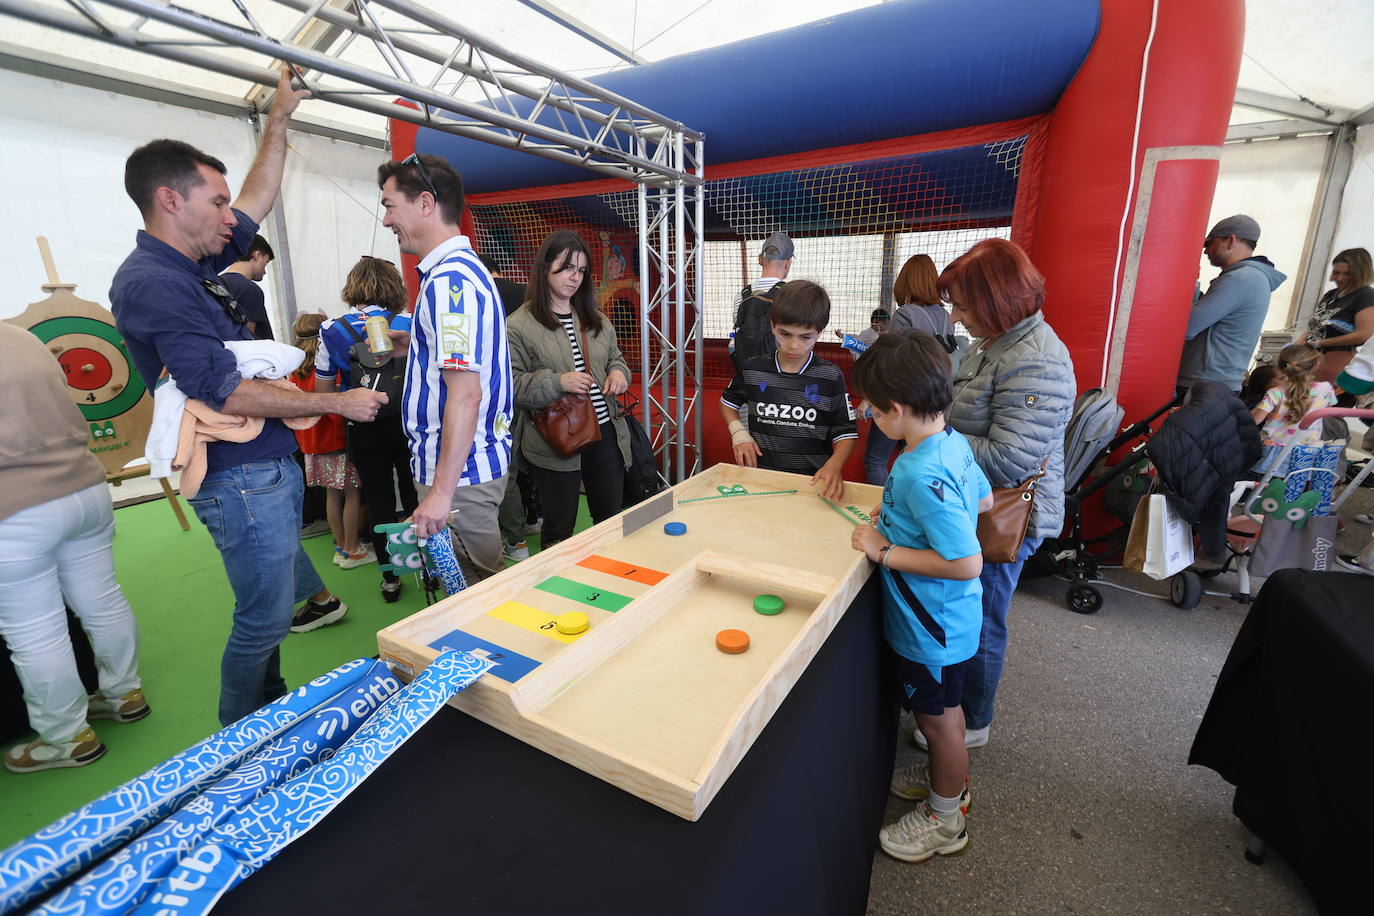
(732, 642)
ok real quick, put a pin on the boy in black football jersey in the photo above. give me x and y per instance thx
(800, 419)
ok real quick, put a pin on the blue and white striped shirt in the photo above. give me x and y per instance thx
(458, 324)
(331, 357)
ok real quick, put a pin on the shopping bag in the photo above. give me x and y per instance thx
(1307, 544)
(1169, 545)
(1134, 557)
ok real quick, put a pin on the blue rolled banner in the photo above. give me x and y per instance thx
(123, 880)
(254, 836)
(439, 548)
(854, 344)
(33, 866)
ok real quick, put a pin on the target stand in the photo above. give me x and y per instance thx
(101, 377)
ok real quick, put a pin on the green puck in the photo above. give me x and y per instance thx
(768, 605)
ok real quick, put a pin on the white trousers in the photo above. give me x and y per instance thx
(55, 550)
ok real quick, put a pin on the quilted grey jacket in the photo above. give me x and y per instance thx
(1012, 402)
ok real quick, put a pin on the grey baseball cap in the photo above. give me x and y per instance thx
(780, 242)
(1240, 225)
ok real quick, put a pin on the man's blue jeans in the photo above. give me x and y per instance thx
(253, 513)
(983, 672)
(878, 455)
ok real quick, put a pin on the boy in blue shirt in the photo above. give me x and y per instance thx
(926, 542)
(800, 418)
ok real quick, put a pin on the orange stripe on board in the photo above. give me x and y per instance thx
(641, 574)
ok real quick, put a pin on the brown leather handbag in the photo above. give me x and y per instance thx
(1002, 528)
(568, 424)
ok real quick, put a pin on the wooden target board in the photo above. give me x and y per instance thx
(643, 698)
(101, 377)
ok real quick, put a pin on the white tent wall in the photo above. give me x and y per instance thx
(1275, 181)
(62, 176)
(333, 216)
(1355, 227)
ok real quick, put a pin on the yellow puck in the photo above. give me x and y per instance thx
(571, 623)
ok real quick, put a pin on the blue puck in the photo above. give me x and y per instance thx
(674, 528)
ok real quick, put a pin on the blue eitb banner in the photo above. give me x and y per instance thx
(122, 881)
(854, 344)
(259, 831)
(31, 867)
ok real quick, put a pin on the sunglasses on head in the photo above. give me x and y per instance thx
(414, 159)
(225, 299)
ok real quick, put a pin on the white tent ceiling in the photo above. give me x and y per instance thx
(1293, 50)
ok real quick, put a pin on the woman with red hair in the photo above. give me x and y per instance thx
(1013, 393)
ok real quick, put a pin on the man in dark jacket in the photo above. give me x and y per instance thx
(1200, 452)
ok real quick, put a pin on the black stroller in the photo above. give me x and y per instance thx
(1087, 440)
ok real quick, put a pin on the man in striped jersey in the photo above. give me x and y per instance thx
(458, 395)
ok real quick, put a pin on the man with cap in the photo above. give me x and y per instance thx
(1225, 323)
(752, 335)
(877, 324)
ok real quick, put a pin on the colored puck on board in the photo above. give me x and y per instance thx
(768, 605)
(571, 623)
(732, 642)
(674, 528)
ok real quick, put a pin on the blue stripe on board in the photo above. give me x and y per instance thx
(510, 666)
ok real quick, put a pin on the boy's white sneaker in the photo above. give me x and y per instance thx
(973, 737)
(913, 784)
(922, 833)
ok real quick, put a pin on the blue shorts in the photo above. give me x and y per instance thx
(919, 692)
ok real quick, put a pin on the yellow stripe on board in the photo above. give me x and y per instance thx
(531, 618)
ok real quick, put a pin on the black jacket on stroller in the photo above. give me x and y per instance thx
(1200, 452)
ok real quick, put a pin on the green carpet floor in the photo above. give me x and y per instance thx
(176, 584)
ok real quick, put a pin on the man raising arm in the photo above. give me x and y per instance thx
(174, 314)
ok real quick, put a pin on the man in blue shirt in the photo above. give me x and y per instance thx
(459, 397)
(242, 279)
(174, 314)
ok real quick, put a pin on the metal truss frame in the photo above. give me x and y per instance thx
(671, 244)
(524, 105)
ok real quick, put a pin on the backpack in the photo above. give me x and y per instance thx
(753, 334)
(386, 374)
(641, 477)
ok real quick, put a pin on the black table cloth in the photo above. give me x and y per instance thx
(1291, 725)
(465, 816)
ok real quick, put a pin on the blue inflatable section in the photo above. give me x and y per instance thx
(893, 70)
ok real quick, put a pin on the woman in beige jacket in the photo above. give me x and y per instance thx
(560, 343)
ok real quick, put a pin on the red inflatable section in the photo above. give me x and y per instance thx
(1120, 282)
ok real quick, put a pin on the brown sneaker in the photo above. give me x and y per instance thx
(129, 708)
(82, 749)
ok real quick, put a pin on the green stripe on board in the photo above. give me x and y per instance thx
(587, 594)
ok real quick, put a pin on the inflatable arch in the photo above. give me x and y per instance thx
(1091, 132)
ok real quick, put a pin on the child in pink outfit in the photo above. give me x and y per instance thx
(1283, 406)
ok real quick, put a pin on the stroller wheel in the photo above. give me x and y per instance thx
(1083, 599)
(1185, 590)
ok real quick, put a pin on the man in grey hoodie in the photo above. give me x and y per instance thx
(1225, 323)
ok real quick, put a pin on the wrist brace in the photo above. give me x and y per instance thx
(738, 434)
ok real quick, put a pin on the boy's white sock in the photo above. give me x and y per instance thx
(943, 807)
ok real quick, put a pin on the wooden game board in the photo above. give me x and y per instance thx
(643, 698)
